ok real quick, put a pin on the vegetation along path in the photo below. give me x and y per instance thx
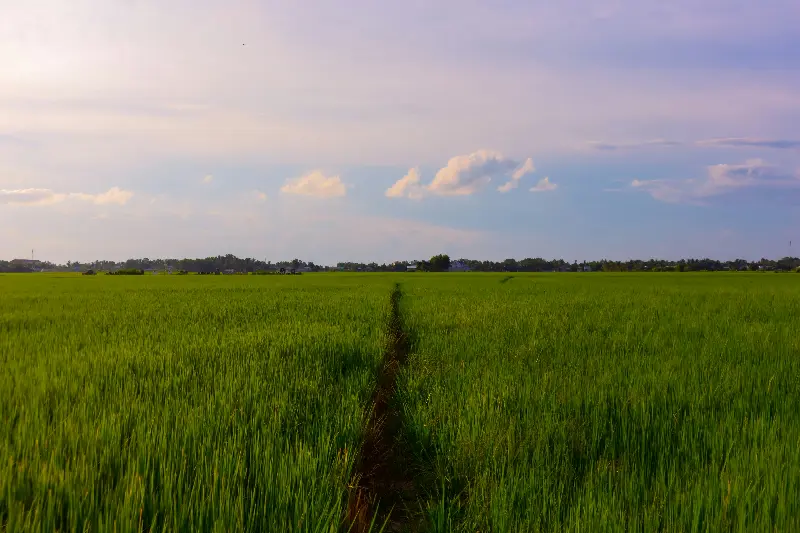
(384, 494)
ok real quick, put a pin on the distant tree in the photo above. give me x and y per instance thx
(440, 263)
(296, 264)
(510, 265)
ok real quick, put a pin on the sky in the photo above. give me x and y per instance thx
(358, 130)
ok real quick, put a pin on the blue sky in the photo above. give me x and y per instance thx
(389, 130)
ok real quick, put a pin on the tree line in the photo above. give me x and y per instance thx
(437, 263)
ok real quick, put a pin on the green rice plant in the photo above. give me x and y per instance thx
(193, 403)
(604, 402)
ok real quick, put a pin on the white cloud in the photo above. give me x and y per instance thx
(208, 179)
(544, 185)
(315, 184)
(467, 174)
(526, 168)
(32, 197)
(114, 195)
(720, 179)
(408, 186)
(261, 196)
(464, 175)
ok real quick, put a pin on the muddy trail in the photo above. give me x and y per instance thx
(384, 491)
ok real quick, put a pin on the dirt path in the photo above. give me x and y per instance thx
(385, 492)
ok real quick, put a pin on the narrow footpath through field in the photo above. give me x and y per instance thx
(384, 491)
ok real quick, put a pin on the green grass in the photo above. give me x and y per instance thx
(552, 402)
(656, 402)
(191, 403)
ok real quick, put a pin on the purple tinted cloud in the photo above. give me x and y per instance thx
(720, 142)
(719, 180)
(741, 142)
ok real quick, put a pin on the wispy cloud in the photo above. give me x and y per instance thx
(30, 197)
(208, 178)
(464, 175)
(34, 197)
(526, 168)
(741, 142)
(609, 146)
(717, 142)
(544, 185)
(720, 179)
(315, 184)
(260, 196)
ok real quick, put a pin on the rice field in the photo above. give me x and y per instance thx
(528, 402)
(606, 402)
(183, 404)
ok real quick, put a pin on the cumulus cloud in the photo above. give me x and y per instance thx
(464, 175)
(467, 174)
(408, 186)
(33, 197)
(208, 178)
(720, 179)
(544, 185)
(315, 184)
(740, 142)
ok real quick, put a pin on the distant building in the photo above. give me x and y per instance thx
(29, 263)
(411, 268)
(587, 268)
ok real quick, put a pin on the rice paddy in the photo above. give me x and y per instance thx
(525, 402)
